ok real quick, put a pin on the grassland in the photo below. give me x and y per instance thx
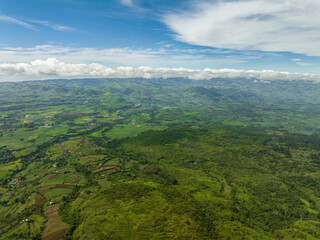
(8, 168)
(123, 131)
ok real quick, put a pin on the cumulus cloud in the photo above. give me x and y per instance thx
(266, 25)
(53, 67)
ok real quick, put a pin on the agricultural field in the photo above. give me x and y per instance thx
(159, 159)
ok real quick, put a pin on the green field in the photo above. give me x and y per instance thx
(7, 168)
(159, 159)
(123, 131)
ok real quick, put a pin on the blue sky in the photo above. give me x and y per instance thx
(282, 36)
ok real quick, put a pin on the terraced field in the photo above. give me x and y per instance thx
(55, 228)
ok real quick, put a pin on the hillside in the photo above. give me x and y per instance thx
(159, 159)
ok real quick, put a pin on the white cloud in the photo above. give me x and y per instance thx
(54, 26)
(304, 64)
(128, 3)
(33, 24)
(120, 56)
(16, 21)
(298, 61)
(266, 25)
(55, 68)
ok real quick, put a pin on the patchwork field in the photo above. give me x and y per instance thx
(55, 228)
(159, 159)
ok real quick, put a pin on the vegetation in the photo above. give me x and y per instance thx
(159, 159)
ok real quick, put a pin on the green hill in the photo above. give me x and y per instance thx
(159, 159)
(206, 183)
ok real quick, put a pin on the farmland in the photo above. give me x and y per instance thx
(159, 159)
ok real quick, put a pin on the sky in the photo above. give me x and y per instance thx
(198, 39)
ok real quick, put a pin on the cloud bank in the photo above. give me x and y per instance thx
(160, 57)
(265, 25)
(55, 68)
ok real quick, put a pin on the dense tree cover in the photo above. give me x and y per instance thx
(207, 183)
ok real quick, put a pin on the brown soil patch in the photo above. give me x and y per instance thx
(107, 168)
(89, 162)
(51, 187)
(56, 186)
(54, 222)
(64, 186)
(52, 177)
(68, 180)
(108, 171)
(4, 228)
(24, 183)
(38, 203)
(45, 191)
(45, 170)
(58, 235)
(110, 165)
(48, 186)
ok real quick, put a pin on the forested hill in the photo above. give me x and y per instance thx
(159, 159)
(206, 183)
(179, 183)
